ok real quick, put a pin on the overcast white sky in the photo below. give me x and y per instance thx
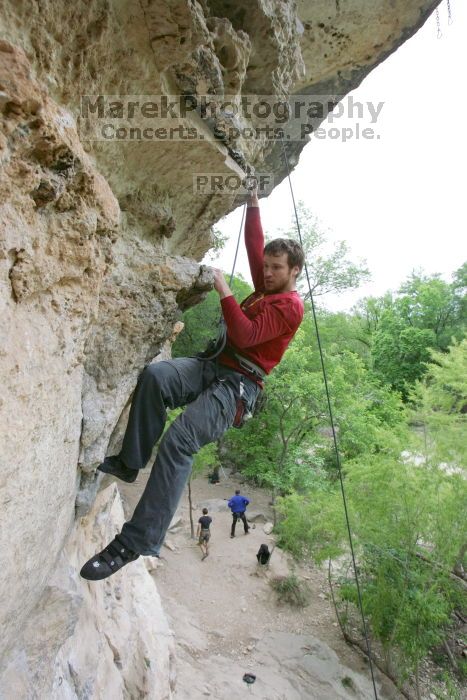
(400, 201)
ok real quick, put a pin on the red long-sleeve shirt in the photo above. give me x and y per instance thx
(262, 326)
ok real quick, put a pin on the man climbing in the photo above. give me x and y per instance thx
(214, 391)
(237, 505)
(204, 533)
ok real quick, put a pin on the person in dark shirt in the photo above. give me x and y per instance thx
(237, 505)
(204, 533)
(215, 392)
(263, 555)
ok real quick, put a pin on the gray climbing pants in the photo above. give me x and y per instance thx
(210, 392)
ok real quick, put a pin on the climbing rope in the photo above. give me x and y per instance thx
(334, 436)
(238, 245)
(215, 347)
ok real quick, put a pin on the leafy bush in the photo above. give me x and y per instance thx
(407, 513)
(290, 590)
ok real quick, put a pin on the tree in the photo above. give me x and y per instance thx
(369, 311)
(427, 302)
(407, 516)
(274, 447)
(219, 239)
(288, 445)
(400, 351)
(459, 285)
(329, 266)
(440, 406)
(401, 329)
(345, 330)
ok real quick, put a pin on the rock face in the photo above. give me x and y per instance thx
(99, 242)
(82, 640)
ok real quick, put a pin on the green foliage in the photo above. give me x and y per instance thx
(426, 314)
(406, 487)
(406, 603)
(201, 321)
(369, 417)
(219, 241)
(347, 682)
(290, 590)
(398, 514)
(311, 523)
(369, 311)
(273, 448)
(329, 267)
(430, 303)
(288, 446)
(206, 458)
(440, 404)
(345, 331)
(400, 351)
(407, 515)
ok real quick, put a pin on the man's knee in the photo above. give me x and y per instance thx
(178, 439)
(157, 371)
(165, 377)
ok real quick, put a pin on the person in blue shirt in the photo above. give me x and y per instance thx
(237, 505)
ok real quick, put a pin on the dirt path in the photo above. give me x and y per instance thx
(227, 622)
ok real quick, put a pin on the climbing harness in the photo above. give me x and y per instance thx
(333, 428)
(256, 372)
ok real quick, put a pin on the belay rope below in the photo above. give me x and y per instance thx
(331, 416)
(333, 428)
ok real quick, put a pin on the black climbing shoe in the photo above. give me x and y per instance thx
(115, 466)
(107, 562)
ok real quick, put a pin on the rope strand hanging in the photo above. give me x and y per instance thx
(238, 245)
(333, 429)
(216, 346)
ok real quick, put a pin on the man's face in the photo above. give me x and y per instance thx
(278, 276)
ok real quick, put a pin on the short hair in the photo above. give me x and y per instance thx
(237, 492)
(205, 511)
(295, 254)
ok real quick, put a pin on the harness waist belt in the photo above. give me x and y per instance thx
(250, 366)
(246, 364)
